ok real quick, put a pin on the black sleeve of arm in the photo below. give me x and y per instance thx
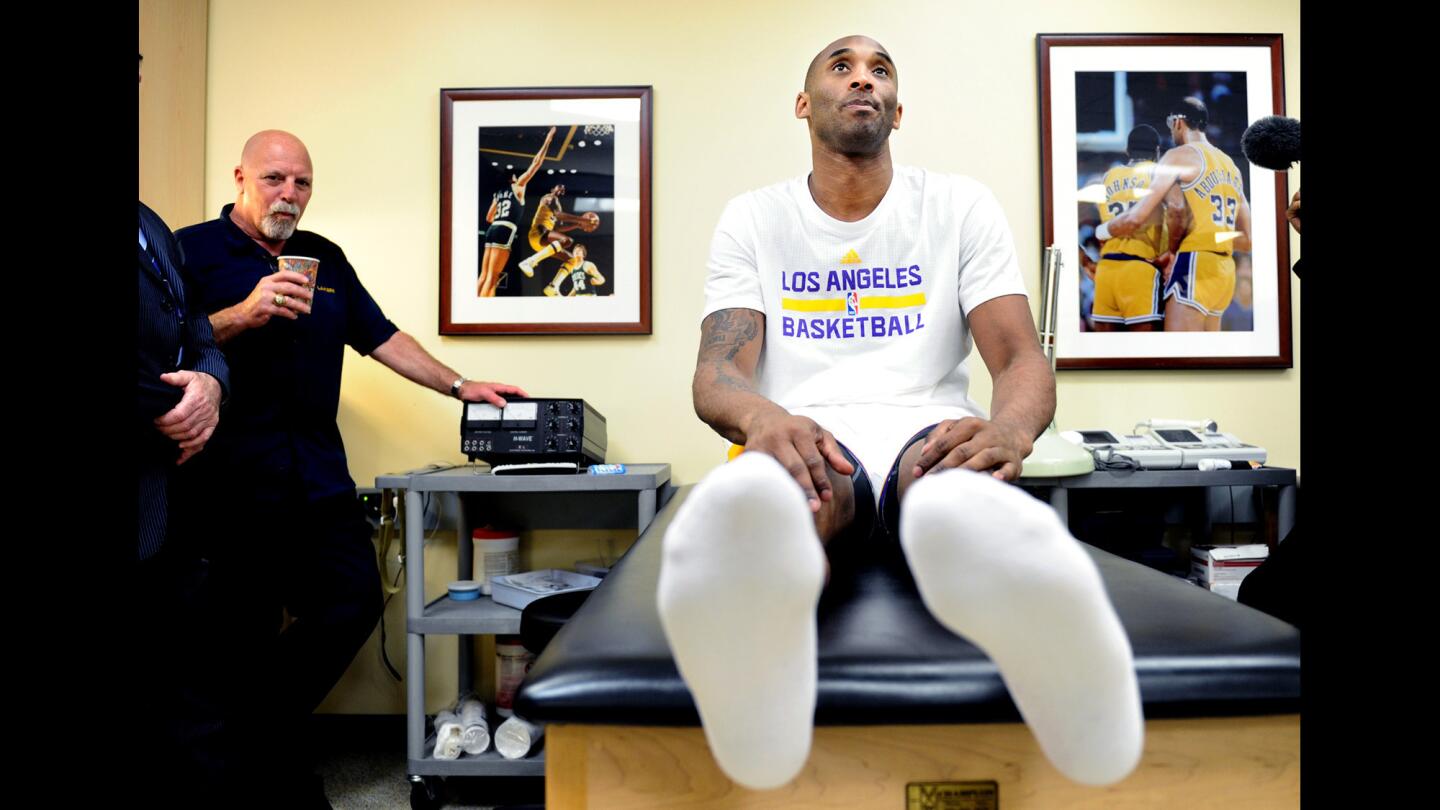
(155, 397)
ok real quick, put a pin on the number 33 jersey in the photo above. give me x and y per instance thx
(1214, 203)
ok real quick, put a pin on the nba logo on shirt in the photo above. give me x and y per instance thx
(852, 303)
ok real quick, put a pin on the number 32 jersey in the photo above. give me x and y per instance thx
(507, 206)
(1124, 187)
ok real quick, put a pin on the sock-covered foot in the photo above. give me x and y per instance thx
(527, 265)
(998, 567)
(740, 576)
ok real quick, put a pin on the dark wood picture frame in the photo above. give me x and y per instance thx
(457, 192)
(1175, 349)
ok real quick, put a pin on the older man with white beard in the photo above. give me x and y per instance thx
(274, 496)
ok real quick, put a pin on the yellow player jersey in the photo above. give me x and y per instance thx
(1214, 203)
(1123, 189)
(544, 216)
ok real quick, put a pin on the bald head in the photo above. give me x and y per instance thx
(273, 141)
(273, 183)
(839, 47)
(851, 98)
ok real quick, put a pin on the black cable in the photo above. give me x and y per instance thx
(1114, 461)
(392, 590)
(384, 650)
(1231, 490)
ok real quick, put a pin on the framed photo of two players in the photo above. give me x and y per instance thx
(545, 211)
(1174, 247)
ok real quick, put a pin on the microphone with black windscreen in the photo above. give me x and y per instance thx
(1273, 142)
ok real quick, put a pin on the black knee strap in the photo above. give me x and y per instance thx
(890, 495)
(844, 549)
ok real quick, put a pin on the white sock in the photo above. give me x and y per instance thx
(739, 580)
(997, 567)
(527, 266)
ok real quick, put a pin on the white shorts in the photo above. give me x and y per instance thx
(877, 433)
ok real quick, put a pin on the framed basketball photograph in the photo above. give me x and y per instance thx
(545, 210)
(1174, 247)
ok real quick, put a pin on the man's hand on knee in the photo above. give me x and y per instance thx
(803, 448)
(975, 444)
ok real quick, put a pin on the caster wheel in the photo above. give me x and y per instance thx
(424, 794)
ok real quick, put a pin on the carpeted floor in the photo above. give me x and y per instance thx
(362, 761)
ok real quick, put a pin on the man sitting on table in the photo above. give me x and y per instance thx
(840, 307)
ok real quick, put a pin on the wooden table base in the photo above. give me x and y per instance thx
(1228, 763)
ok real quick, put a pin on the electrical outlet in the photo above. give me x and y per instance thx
(370, 502)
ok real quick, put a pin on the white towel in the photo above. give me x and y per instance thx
(475, 737)
(515, 737)
(447, 736)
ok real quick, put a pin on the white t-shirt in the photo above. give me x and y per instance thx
(867, 313)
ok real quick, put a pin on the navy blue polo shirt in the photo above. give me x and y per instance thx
(278, 430)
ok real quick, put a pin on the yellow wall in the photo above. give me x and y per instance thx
(359, 82)
(172, 109)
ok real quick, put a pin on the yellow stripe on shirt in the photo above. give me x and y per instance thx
(866, 302)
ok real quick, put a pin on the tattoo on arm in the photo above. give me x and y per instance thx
(723, 389)
(725, 333)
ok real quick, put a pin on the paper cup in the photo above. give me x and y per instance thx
(304, 265)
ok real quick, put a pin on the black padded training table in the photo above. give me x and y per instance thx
(908, 713)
